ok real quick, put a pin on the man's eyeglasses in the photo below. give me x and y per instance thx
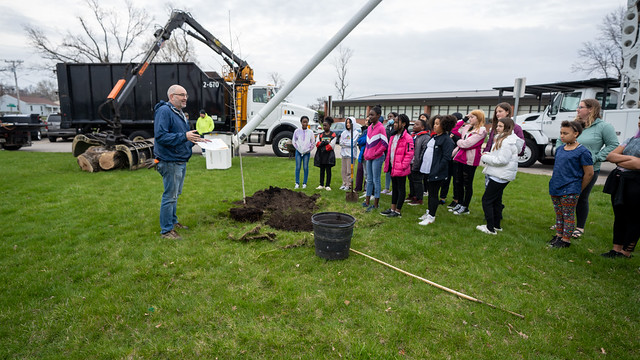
(186, 96)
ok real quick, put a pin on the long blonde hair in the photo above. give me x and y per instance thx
(480, 115)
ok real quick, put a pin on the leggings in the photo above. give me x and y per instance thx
(492, 204)
(582, 208)
(433, 203)
(327, 169)
(444, 190)
(463, 182)
(565, 208)
(398, 190)
(360, 176)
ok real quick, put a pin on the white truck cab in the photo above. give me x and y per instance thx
(277, 128)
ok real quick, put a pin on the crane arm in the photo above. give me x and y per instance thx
(240, 71)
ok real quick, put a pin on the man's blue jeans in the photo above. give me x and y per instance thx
(304, 160)
(173, 179)
(374, 170)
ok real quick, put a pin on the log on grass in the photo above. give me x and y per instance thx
(112, 160)
(89, 160)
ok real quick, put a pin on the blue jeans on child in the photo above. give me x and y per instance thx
(304, 159)
(374, 170)
(173, 178)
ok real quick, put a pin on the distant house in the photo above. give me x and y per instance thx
(28, 105)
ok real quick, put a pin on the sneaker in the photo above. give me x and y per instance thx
(613, 254)
(560, 244)
(180, 226)
(371, 208)
(342, 187)
(455, 208)
(363, 196)
(553, 239)
(386, 192)
(386, 212)
(364, 204)
(395, 214)
(304, 186)
(327, 188)
(497, 229)
(410, 199)
(171, 235)
(297, 186)
(416, 202)
(486, 230)
(424, 216)
(461, 211)
(442, 202)
(428, 220)
(452, 205)
(320, 187)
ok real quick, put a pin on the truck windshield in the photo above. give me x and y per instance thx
(263, 95)
(570, 101)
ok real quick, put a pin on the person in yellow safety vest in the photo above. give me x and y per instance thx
(204, 125)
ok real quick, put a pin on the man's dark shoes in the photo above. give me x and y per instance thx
(171, 235)
(553, 239)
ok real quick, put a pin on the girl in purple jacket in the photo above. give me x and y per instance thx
(398, 164)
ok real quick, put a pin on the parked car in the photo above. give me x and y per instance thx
(54, 130)
(338, 128)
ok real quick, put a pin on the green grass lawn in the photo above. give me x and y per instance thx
(84, 274)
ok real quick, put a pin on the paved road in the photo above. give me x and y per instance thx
(65, 146)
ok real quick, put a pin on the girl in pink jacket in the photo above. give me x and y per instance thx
(467, 156)
(398, 163)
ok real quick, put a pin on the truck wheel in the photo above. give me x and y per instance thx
(279, 143)
(11, 147)
(139, 135)
(53, 138)
(530, 154)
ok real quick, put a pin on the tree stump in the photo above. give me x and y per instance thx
(112, 160)
(89, 160)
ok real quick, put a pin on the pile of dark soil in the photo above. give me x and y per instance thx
(285, 209)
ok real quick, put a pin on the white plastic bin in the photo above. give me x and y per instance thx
(217, 154)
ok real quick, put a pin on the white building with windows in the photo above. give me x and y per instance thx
(28, 105)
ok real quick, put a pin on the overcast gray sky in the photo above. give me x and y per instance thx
(402, 46)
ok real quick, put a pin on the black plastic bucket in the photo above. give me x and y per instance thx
(332, 232)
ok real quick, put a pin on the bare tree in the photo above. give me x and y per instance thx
(319, 105)
(179, 47)
(47, 89)
(341, 63)
(604, 56)
(106, 37)
(276, 79)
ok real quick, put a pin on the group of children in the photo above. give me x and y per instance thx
(445, 147)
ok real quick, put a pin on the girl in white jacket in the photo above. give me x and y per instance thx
(501, 166)
(346, 151)
(303, 141)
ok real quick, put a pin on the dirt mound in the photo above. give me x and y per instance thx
(284, 208)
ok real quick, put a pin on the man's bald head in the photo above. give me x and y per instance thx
(177, 96)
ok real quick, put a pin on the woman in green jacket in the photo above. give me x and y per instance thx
(600, 138)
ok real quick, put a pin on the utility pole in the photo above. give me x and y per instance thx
(13, 67)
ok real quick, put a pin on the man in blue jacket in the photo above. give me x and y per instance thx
(172, 150)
